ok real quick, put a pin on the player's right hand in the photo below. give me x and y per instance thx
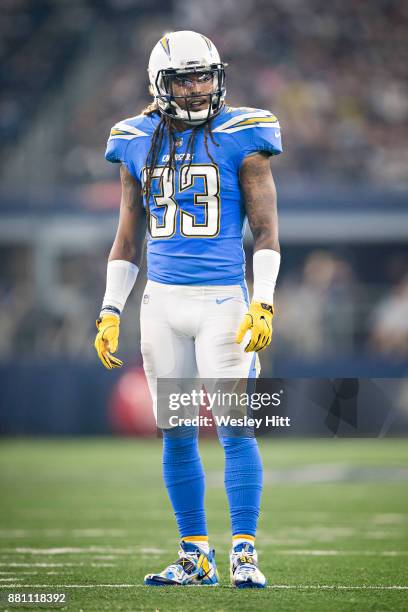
(107, 339)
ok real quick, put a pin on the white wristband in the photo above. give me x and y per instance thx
(266, 264)
(120, 277)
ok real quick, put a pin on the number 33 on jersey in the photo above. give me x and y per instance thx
(196, 210)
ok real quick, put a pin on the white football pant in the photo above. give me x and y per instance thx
(189, 331)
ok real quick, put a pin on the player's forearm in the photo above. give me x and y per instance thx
(121, 276)
(123, 267)
(126, 252)
(266, 263)
(260, 197)
(129, 247)
(128, 243)
(261, 206)
(266, 238)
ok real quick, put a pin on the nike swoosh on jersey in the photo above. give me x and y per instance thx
(222, 300)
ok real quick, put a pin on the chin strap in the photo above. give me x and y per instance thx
(192, 117)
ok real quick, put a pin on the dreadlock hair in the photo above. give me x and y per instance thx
(166, 126)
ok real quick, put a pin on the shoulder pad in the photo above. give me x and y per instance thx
(130, 128)
(244, 118)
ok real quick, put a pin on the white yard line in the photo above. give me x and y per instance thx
(343, 553)
(70, 550)
(22, 573)
(154, 551)
(344, 587)
(76, 533)
(317, 473)
(314, 587)
(390, 518)
(82, 563)
(295, 551)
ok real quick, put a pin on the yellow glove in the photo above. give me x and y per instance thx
(258, 319)
(106, 341)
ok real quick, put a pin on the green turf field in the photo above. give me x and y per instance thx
(91, 517)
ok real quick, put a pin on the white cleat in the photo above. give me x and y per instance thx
(244, 570)
(193, 567)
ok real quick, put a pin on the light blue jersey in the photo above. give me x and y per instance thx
(196, 212)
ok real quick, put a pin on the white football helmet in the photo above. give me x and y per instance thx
(182, 53)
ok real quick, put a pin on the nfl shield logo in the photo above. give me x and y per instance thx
(178, 142)
(146, 298)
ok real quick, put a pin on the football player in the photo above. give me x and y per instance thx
(192, 170)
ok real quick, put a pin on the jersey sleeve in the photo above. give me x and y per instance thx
(263, 137)
(121, 135)
(116, 149)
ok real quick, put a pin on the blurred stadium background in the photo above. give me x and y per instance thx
(334, 73)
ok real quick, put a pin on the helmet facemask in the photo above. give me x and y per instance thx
(169, 103)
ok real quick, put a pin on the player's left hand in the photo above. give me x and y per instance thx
(258, 319)
(106, 341)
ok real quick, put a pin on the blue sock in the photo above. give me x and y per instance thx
(185, 481)
(243, 482)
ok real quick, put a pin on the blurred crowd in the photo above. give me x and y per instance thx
(37, 42)
(334, 73)
(325, 308)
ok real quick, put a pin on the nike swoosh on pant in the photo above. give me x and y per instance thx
(221, 301)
